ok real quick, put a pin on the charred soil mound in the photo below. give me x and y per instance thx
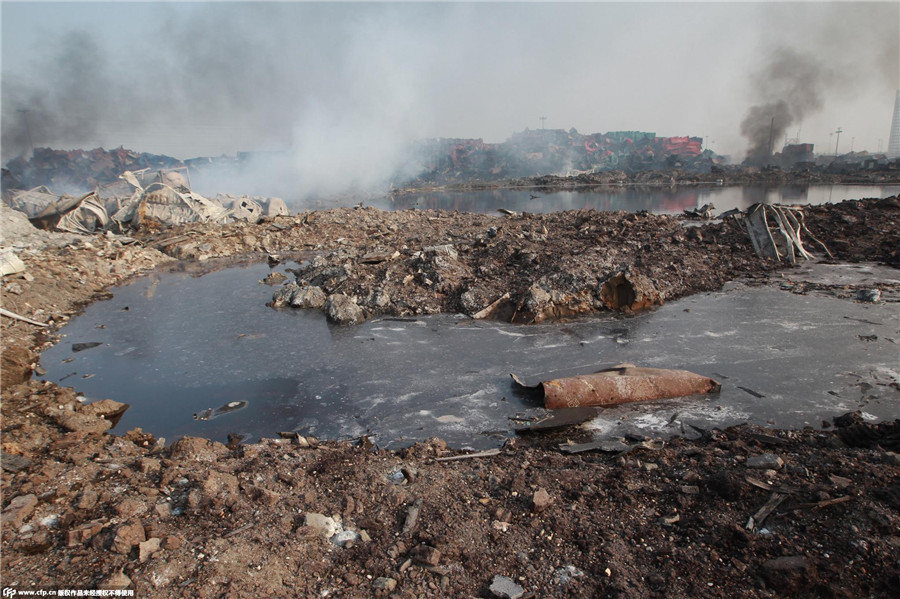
(741, 512)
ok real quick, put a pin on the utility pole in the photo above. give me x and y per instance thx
(837, 140)
(543, 118)
(25, 112)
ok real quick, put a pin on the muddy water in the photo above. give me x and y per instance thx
(661, 200)
(175, 346)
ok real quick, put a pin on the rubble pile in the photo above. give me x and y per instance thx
(745, 511)
(78, 171)
(859, 230)
(522, 268)
(154, 200)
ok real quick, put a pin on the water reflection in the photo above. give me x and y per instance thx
(658, 200)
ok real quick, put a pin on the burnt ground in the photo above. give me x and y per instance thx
(85, 508)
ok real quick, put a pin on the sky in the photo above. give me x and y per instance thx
(343, 85)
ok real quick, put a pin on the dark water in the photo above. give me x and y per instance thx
(185, 345)
(661, 200)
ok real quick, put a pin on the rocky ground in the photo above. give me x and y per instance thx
(741, 512)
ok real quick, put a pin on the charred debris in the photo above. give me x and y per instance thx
(530, 158)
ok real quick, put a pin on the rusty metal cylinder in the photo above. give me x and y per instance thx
(624, 384)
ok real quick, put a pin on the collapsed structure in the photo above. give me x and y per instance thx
(160, 198)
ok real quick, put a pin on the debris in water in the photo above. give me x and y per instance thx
(77, 347)
(869, 296)
(621, 384)
(552, 420)
(209, 413)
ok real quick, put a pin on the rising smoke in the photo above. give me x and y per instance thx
(330, 112)
(331, 93)
(847, 49)
(792, 86)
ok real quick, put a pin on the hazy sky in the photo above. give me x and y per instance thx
(352, 80)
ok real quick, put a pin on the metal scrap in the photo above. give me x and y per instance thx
(85, 214)
(775, 232)
(169, 206)
(552, 420)
(620, 384)
(32, 201)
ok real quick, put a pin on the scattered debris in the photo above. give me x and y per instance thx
(10, 264)
(412, 517)
(705, 212)
(766, 461)
(15, 316)
(824, 503)
(869, 296)
(549, 420)
(541, 500)
(757, 519)
(85, 215)
(756, 394)
(80, 347)
(13, 463)
(469, 456)
(504, 587)
(210, 413)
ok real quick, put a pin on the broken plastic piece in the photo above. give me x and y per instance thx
(620, 384)
(10, 264)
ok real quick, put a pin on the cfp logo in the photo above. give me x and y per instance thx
(9, 592)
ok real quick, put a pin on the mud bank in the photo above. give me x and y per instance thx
(655, 178)
(745, 511)
(520, 267)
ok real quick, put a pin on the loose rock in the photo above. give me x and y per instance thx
(19, 510)
(505, 588)
(541, 500)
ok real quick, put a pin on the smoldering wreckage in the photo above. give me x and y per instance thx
(552, 513)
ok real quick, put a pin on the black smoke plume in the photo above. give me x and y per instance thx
(791, 86)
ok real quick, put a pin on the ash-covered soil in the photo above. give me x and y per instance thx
(87, 509)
